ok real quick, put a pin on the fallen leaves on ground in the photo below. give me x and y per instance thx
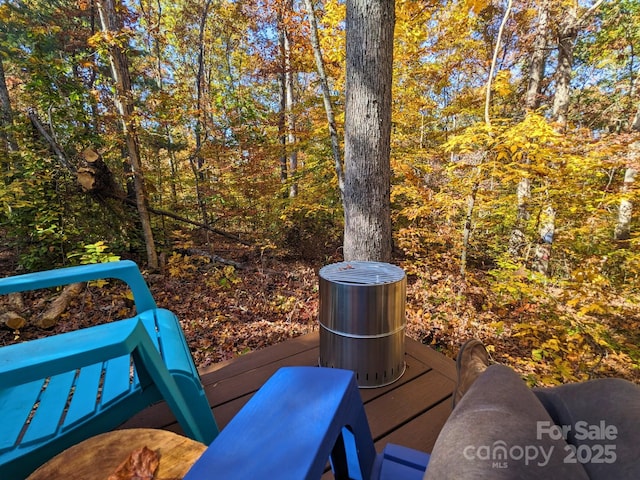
(140, 465)
(226, 312)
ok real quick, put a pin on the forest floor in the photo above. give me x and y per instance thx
(267, 298)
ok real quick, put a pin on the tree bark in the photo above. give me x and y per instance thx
(545, 242)
(468, 225)
(326, 96)
(494, 62)
(564, 70)
(50, 317)
(6, 115)
(518, 239)
(282, 116)
(196, 160)
(369, 71)
(44, 133)
(112, 25)
(622, 230)
(291, 119)
(538, 58)
(471, 199)
(625, 210)
(157, 47)
(12, 320)
(287, 125)
(568, 30)
(95, 177)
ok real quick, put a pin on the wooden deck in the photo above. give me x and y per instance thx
(409, 412)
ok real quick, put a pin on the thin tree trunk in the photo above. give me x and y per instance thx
(622, 230)
(567, 34)
(111, 24)
(282, 116)
(566, 40)
(542, 254)
(291, 126)
(369, 70)
(164, 123)
(44, 133)
(625, 210)
(289, 100)
(494, 62)
(563, 76)
(471, 199)
(180, 218)
(468, 225)
(518, 239)
(326, 96)
(173, 168)
(538, 58)
(6, 115)
(197, 161)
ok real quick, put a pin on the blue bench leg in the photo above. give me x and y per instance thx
(397, 462)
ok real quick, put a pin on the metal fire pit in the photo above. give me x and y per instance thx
(362, 320)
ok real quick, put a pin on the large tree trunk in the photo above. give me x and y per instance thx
(326, 96)
(111, 25)
(369, 30)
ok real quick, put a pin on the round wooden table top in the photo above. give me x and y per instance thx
(100, 456)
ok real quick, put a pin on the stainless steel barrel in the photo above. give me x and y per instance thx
(362, 320)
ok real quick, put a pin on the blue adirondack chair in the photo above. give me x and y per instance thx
(60, 390)
(301, 418)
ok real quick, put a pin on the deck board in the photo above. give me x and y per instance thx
(409, 412)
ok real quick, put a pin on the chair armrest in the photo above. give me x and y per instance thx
(124, 270)
(290, 428)
(44, 357)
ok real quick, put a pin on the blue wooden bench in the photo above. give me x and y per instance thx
(301, 418)
(59, 390)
